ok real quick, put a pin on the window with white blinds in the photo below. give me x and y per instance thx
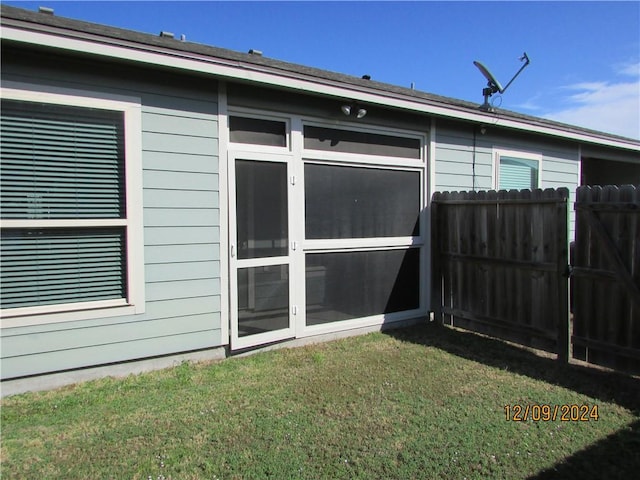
(61, 162)
(517, 171)
(62, 265)
(63, 194)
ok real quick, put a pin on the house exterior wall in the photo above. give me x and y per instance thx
(181, 224)
(459, 165)
(184, 188)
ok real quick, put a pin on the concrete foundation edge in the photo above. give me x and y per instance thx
(119, 370)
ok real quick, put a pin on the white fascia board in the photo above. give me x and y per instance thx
(105, 47)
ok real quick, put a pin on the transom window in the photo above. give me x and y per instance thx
(257, 131)
(364, 143)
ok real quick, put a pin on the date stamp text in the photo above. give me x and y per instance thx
(551, 413)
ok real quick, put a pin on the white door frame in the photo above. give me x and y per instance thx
(238, 342)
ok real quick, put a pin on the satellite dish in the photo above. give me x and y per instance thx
(493, 85)
(492, 82)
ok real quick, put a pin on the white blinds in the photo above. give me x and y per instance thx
(518, 173)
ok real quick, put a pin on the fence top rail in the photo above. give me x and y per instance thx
(503, 197)
(503, 201)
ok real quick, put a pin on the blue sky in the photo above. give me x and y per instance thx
(585, 56)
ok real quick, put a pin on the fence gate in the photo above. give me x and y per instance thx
(606, 277)
(500, 265)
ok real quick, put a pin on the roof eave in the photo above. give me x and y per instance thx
(364, 91)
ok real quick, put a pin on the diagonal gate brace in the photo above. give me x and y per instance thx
(622, 274)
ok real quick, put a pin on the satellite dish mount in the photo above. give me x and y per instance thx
(493, 85)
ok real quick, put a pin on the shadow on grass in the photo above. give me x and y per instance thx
(613, 457)
(605, 386)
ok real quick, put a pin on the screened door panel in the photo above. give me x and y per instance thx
(263, 299)
(346, 285)
(261, 209)
(355, 202)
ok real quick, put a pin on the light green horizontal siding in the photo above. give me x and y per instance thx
(455, 158)
(179, 162)
(185, 235)
(454, 162)
(183, 144)
(458, 168)
(182, 271)
(182, 181)
(164, 198)
(180, 253)
(166, 124)
(71, 338)
(183, 289)
(181, 233)
(101, 354)
(183, 217)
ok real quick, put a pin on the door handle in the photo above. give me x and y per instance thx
(233, 251)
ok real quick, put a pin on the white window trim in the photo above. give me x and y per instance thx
(249, 147)
(135, 301)
(499, 152)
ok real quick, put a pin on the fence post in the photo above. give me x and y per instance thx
(562, 249)
(436, 274)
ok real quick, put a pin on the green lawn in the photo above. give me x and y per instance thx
(424, 402)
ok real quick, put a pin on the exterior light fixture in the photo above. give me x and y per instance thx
(359, 111)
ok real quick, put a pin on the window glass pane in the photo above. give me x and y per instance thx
(257, 131)
(61, 162)
(518, 173)
(261, 209)
(263, 299)
(346, 141)
(346, 285)
(54, 266)
(353, 202)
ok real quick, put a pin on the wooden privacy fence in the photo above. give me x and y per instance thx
(500, 263)
(606, 277)
(501, 267)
